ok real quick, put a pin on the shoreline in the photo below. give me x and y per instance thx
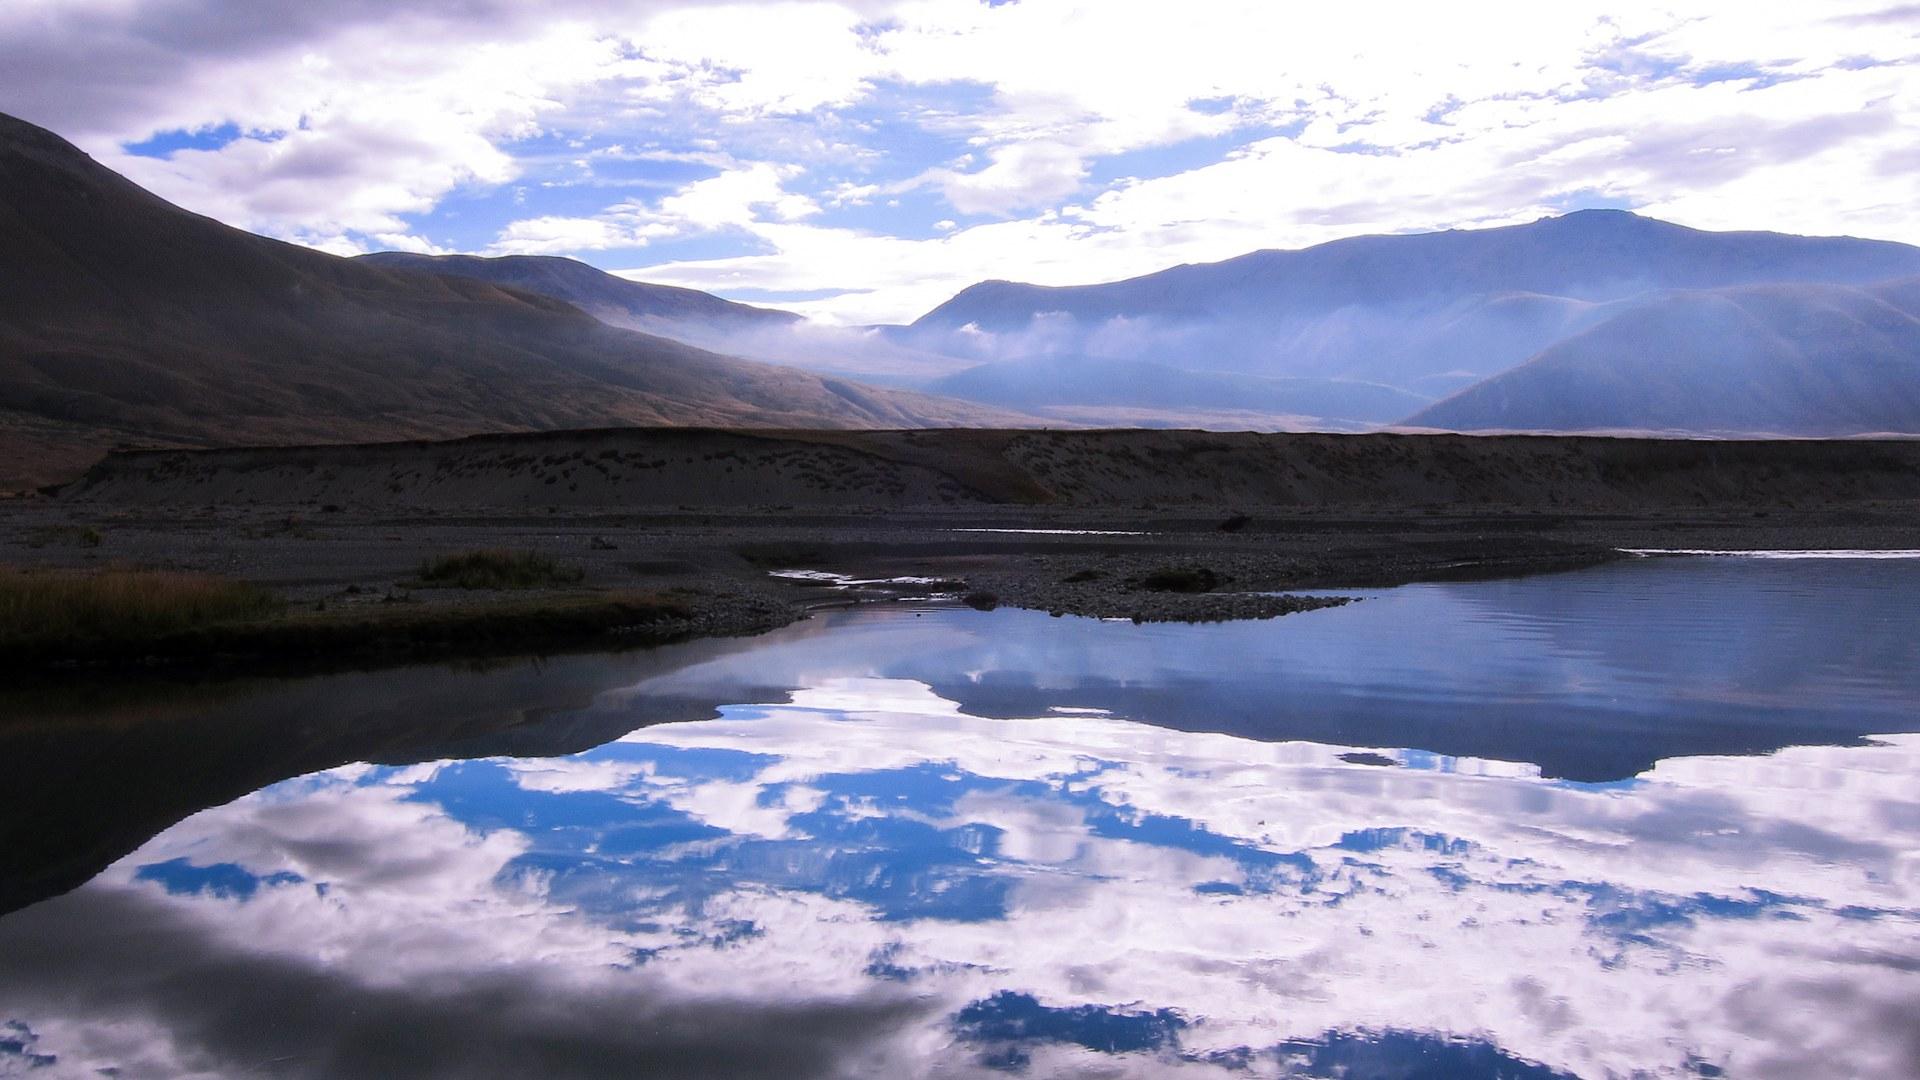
(406, 633)
(353, 601)
(628, 537)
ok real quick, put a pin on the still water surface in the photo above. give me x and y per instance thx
(1616, 822)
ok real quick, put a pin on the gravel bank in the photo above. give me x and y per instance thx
(360, 565)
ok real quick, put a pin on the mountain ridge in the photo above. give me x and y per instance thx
(126, 318)
(1388, 260)
(611, 298)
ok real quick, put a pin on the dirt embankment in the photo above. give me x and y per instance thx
(691, 467)
(1145, 525)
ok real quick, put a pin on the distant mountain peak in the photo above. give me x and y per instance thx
(1598, 213)
(1603, 218)
(1588, 255)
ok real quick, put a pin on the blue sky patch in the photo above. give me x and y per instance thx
(228, 881)
(165, 144)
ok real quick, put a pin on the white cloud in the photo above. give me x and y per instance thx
(736, 198)
(1436, 130)
(359, 118)
(1614, 912)
(767, 57)
(1023, 175)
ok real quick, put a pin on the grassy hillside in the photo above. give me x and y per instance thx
(126, 319)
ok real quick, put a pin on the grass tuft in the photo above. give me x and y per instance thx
(497, 569)
(120, 604)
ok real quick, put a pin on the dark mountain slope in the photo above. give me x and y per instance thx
(125, 318)
(694, 317)
(636, 305)
(1810, 360)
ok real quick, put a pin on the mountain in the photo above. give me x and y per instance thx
(1429, 314)
(656, 309)
(1591, 255)
(696, 318)
(1810, 360)
(1396, 309)
(124, 318)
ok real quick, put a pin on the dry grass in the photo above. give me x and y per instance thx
(497, 569)
(120, 604)
(84, 536)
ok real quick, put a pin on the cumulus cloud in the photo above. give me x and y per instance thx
(736, 198)
(1022, 176)
(1063, 141)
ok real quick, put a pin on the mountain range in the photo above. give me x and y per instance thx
(124, 318)
(1593, 320)
(1589, 255)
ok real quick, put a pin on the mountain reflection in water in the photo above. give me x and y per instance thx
(884, 870)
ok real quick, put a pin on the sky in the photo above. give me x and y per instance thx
(862, 161)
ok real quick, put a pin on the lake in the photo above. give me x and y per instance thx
(1660, 817)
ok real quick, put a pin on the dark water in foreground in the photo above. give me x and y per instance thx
(1613, 822)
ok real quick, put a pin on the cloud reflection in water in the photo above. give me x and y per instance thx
(867, 880)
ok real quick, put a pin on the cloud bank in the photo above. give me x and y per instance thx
(862, 161)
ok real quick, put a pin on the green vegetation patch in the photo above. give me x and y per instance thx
(116, 604)
(497, 569)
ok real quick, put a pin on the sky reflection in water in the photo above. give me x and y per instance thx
(878, 876)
